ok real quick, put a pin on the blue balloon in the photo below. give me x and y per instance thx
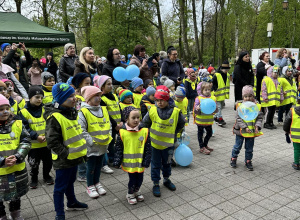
(120, 74)
(183, 155)
(248, 111)
(132, 71)
(208, 106)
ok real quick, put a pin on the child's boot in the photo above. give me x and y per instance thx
(249, 165)
(34, 182)
(169, 184)
(156, 190)
(208, 148)
(77, 206)
(131, 199)
(233, 162)
(16, 215)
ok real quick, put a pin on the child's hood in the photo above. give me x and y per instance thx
(146, 98)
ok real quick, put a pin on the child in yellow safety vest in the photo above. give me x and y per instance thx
(164, 121)
(14, 108)
(95, 124)
(271, 95)
(15, 96)
(133, 152)
(246, 130)
(148, 83)
(289, 88)
(147, 101)
(126, 100)
(181, 102)
(137, 87)
(33, 119)
(48, 82)
(203, 121)
(13, 173)
(67, 144)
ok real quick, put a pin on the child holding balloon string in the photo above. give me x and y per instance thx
(246, 130)
(204, 121)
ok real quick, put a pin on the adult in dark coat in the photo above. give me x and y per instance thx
(243, 74)
(67, 62)
(172, 67)
(113, 61)
(51, 65)
(261, 71)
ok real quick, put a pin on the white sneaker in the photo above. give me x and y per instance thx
(131, 199)
(139, 197)
(280, 123)
(81, 179)
(100, 189)
(107, 170)
(92, 192)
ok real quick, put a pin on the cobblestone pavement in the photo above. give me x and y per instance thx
(208, 189)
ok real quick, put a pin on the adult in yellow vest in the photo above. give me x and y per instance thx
(247, 130)
(68, 146)
(221, 88)
(15, 145)
(147, 101)
(48, 82)
(289, 88)
(33, 119)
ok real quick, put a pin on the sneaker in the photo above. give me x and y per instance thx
(33, 184)
(92, 192)
(100, 189)
(81, 179)
(210, 149)
(156, 190)
(131, 199)
(216, 120)
(233, 162)
(169, 185)
(221, 122)
(296, 166)
(60, 217)
(280, 123)
(249, 165)
(16, 215)
(107, 170)
(49, 180)
(268, 126)
(203, 150)
(77, 206)
(273, 126)
(173, 163)
(139, 197)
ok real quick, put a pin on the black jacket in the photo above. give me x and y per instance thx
(80, 68)
(190, 92)
(52, 66)
(108, 69)
(67, 67)
(243, 75)
(173, 70)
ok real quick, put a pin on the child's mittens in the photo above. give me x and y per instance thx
(287, 138)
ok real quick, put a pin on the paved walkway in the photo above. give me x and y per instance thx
(208, 189)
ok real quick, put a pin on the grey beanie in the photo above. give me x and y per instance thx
(46, 76)
(180, 92)
(164, 80)
(150, 91)
(163, 54)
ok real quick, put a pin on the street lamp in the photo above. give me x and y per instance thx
(285, 4)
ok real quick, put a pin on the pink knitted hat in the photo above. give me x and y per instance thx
(3, 100)
(247, 90)
(102, 79)
(95, 80)
(88, 92)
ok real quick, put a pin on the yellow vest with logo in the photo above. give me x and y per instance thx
(295, 127)
(72, 137)
(113, 108)
(250, 125)
(273, 93)
(123, 105)
(48, 97)
(183, 107)
(134, 145)
(222, 92)
(255, 85)
(22, 104)
(148, 104)
(98, 127)
(291, 91)
(36, 124)
(162, 132)
(137, 98)
(193, 83)
(204, 119)
(9, 146)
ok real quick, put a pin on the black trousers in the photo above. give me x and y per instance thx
(203, 143)
(135, 182)
(35, 156)
(14, 205)
(271, 113)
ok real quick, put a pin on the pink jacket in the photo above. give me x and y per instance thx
(35, 76)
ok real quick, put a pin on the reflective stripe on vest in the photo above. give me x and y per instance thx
(123, 105)
(137, 98)
(48, 97)
(9, 146)
(97, 127)
(290, 90)
(162, 132)
(250, 125)
(113, 108)
(183, 107)
(273, 93)
(295, 127)
(36, 124)
(222, 92)
(204, 119)
(255, 85)
(134, 144)
(72, 137)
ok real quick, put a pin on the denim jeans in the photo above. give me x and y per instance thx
(219, 106)
(64, 184)
(161, 160)
(249, 144)
(283, 109)
(93, 171)
(135, 182)
(208, 135)
(82, 170)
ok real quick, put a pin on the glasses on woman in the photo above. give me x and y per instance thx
(117, 54)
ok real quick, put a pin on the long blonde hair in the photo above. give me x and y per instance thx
(87, 66)
(280, 52)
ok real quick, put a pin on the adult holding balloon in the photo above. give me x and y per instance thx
(205, 106)
(248, 125)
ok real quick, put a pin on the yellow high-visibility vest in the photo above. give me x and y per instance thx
(9, 144)
(113, 108)
(137, 98)
(134, 145)
(295, 127)
(48, 97)
(36, 124)
(222, 92)
(193, 84)
(22, 104)
(291, 90)
(72, 137)
(255, 85)
(273, 93)
(123, 105)
(183, 107)
(250, 125)
(14, 107)
(98, 127)
(80, 98)
(204, 119)
(162, 132)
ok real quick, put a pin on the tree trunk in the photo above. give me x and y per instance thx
(18, 5)
(181, 52)
(215, 34)
(65, 15)
(202, 29)
(182, 10)
(160, 28)
(46, 19)
(222, 29)
(236, 37)
(196, 33)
